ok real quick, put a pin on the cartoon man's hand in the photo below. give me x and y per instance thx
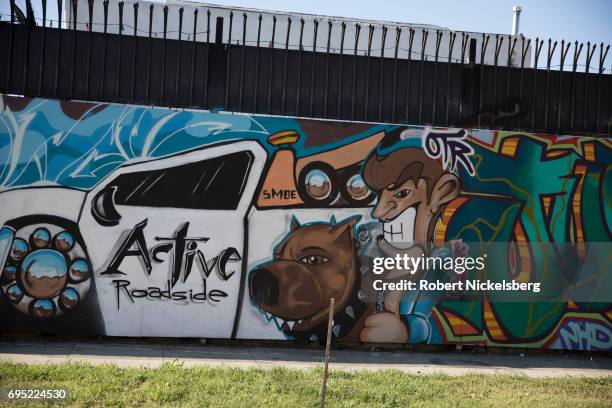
(387, 326)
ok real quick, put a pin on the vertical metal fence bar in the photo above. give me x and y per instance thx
(207, 65)
(435, 79)
(564, 51)
(179, 47)
(58, 49)
(343, 29)
(228, 64)
(118, 69)
(193, 55)
(299, 68)
(162, 79)
(74, 30)
(134, 51)
(28, 21)
(285, 65)
(577, 52)
(602, 59)
(314, 64)
(538, 48)
(524, 50)
(551, 52)
(10, 53)
(89, 45)
(150, 47)
(508, 66)
(105, 38)
(367, 81)
(256, 89)
(398, 34)
(43, 45)
(408, 72)
(499, 40)
(382, 72)
(451, 45)
(465, 40)
(483, 49)
(326, 89)
(242, 60)
(353, 91)
(44, 12)
(589, 57)
(424, 36)
(271, 67)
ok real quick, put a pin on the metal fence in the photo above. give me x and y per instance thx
(310, 80)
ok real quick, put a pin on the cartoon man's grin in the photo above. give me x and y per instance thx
(399, 231)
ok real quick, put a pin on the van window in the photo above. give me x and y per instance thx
(212, 184)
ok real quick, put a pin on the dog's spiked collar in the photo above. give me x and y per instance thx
(345, 319)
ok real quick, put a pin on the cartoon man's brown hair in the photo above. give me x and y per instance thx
(394, 169)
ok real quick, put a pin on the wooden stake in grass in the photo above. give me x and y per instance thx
(330, 324)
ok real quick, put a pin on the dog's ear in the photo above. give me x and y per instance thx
(332, 221)
(343, 232)
(295, 224)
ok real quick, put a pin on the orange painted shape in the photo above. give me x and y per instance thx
(493, 327)
(546, 205)
(279, 188)
(509, 146)
(576, 207)
(285, 137)
(450, 209)
(459, 326)
(589, 151)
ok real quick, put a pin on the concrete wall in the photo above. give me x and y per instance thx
(126, 220)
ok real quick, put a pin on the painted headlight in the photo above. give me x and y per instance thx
(44, 273)
(357, 188)
(45, 270)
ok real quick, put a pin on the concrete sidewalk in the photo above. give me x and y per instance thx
(151, 354)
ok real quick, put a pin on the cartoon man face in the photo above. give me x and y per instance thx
(413, 190)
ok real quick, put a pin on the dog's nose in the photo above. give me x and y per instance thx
(263, 286)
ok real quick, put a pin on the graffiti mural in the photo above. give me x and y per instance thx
(127, 220)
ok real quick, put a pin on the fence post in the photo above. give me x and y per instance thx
(326, 96)
(330, 323)
(577, 52)
(357, 31)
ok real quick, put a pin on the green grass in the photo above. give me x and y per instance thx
(173, 385)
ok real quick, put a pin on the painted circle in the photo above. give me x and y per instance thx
(41, 238)
(14, 293)
(357, 188)
(42, 308)
(69, 298)
(19, 249)
(79, 270)
(64, 241)
(44, 273)
(9, 274)
(317, 184)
